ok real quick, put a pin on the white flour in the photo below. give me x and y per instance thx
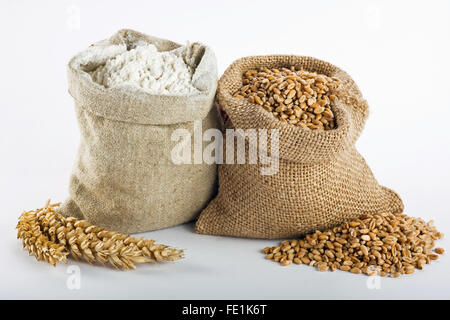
(144, 67)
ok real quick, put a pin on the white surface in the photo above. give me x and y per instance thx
(396, 51)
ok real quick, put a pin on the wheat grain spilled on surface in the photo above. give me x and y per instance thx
(383, 244)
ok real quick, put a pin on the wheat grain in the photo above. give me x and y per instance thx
(300, 98)
(384, 244)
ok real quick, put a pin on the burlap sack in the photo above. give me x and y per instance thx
(124, 178)
(322, 180)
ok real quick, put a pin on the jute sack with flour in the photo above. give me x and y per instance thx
(124, 178)
(321, 181)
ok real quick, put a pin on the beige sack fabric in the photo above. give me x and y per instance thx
(322, 180)
(124, 178)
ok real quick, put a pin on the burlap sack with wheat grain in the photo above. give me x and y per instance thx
(124, 178)
(322, 179)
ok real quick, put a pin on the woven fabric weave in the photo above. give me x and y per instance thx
(322, 179)
(124, 178)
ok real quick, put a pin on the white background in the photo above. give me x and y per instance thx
(397, 51)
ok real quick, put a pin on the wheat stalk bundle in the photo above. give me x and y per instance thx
(51, 237)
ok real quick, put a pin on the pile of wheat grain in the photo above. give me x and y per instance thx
(297, 97)
(383, 244)
(50, 237)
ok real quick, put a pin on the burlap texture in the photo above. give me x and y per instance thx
(123, 178)
(322, 179)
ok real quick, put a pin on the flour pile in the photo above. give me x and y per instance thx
(144, 67)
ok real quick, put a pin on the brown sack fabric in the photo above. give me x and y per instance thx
(322, 180)
(123, 178)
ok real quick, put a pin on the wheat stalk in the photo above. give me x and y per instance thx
(51, 237)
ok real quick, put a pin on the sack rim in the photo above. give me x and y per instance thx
(296, 143)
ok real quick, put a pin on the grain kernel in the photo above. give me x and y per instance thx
(355, 270)
(319, 110)
(285, 263)
(433, 256)
(409, 270)
(365, 237)
(322, 266)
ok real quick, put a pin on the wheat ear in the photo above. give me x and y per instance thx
(36, 242)
(51, 237)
